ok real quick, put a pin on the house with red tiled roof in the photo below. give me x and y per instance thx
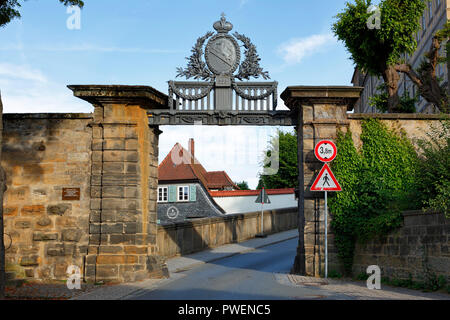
(184, 186)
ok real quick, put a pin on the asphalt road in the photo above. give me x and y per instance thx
(253, 276)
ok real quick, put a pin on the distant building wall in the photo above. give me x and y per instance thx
(243, 204)
(42, 154)
(203, 206)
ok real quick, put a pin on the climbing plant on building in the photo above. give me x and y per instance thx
(379, 181)
(435, 167)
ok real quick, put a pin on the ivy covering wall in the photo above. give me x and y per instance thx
(379, 181)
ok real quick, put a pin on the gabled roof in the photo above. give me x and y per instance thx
(218, 179)
(179, 166)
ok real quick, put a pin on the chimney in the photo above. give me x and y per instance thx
(192, 150)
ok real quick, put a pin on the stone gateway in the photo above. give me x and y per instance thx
(82, 188)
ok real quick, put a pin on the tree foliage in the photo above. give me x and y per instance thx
(243, 185)
(9, 9)
(379, 181)
(434, 170)
(378, 51)
(287, 175)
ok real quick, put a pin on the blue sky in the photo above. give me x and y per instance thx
(141, 42)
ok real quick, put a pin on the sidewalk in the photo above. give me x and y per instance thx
(178, 264)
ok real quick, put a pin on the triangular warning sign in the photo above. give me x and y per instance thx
(326, 181)
(263, 197)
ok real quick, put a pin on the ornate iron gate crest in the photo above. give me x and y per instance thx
(216, 66)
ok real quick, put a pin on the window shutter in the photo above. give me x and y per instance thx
(172, 193)
(192, 192)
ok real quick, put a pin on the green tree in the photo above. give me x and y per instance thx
(9, 9)
(242, 185)
(287, 175)
(378, 51)
(380, 101)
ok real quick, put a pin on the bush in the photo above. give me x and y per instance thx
(334, 274)
(435, 168)
(362, 276)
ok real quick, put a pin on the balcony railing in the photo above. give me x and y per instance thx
(185, 96)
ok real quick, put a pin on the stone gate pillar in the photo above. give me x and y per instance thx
(124, 177)
(320, 112)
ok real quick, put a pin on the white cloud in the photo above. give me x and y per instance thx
(297, 49)
(28, 90)
(21, 72)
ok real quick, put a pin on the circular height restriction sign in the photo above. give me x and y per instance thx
(325, 151)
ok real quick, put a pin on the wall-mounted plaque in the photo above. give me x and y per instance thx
(71, 194)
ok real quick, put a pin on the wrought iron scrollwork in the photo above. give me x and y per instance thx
(203, 91)
(244, 95)
(250, 66)
(197, 67)
(216, 63)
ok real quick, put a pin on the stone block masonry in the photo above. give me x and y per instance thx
(121, 236)
(42, 154)
(419, 248)
(110, 159)
(322, 113)
(124, 175)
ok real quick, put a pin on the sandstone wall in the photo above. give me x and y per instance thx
(42, 154)
(200, 234)
(422, 245)
(322, 122)
(122, 232)
(416, 126)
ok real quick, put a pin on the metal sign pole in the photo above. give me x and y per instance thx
(326, 237)
(262, 218)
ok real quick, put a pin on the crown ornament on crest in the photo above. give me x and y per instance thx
(222, 56)
(223, 26)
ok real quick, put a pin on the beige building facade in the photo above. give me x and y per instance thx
(435, 16)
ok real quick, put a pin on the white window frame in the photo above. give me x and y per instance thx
(183, 194)
(161, 189)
